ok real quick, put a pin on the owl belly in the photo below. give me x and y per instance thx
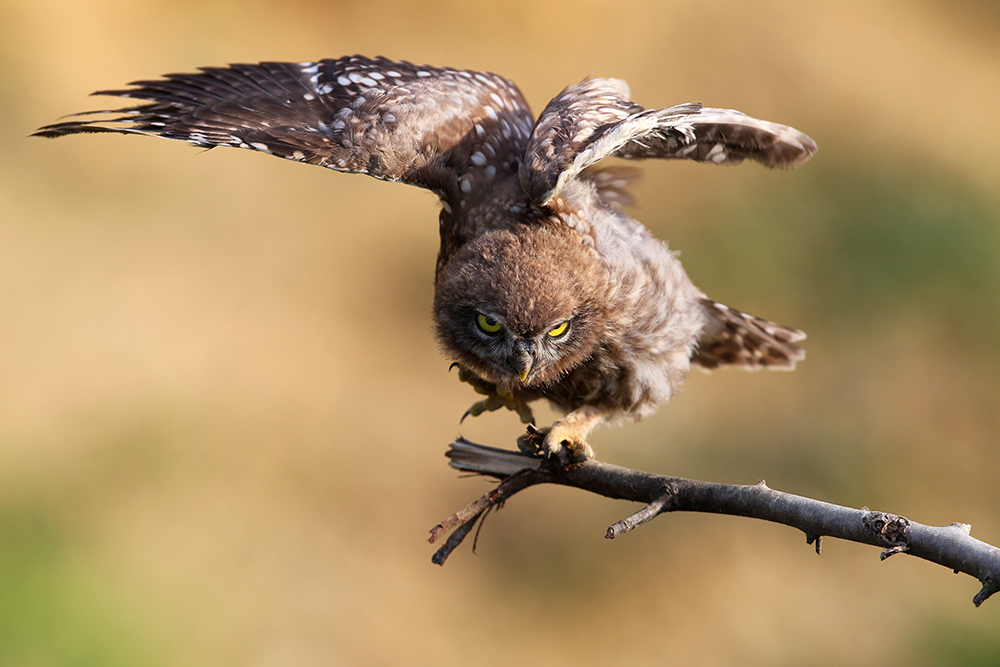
(621, 383)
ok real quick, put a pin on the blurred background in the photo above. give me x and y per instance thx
(223, 414)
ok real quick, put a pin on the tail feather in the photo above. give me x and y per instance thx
(470, 457)
(731, 337)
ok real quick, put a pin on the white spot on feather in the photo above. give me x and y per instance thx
(717, 153)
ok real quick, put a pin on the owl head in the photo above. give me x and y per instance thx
(521, 307)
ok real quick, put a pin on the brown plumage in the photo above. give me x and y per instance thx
(544, 288)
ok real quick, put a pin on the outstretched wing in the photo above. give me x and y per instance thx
(447, 130)
(731, 337)
(595, 119)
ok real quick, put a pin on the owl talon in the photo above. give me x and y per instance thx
(569, 451)
(523, 412)
(556, 442)
(494, 400)
(488, 404)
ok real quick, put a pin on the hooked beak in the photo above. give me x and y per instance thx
(524, 362)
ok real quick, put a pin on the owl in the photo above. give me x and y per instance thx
(544, 287)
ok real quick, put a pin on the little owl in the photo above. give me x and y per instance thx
(544, 288)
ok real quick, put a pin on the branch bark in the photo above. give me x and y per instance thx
(951, 546)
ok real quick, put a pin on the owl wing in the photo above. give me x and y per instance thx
(595, 119)
(731, 337)
(446, 130)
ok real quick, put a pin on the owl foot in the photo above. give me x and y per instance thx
(559, 441)
(495, 402)
(494, 399)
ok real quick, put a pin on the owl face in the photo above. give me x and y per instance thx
(517, 308)
(509, 356)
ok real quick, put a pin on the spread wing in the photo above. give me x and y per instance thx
(447, 130)
(595, 119)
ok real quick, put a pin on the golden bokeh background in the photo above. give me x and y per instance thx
(223, 414)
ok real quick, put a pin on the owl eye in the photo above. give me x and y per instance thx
(487, 324)
(559, 330)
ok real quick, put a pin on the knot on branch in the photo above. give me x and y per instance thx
(890, 529)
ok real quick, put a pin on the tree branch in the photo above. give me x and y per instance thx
(950, 546)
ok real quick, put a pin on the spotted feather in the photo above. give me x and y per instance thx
(732, 337)
(447, 130)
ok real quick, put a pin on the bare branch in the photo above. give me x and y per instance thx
(950, 546)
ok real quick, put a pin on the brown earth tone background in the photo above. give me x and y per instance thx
(223, 414)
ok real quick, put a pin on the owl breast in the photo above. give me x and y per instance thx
(652, 324)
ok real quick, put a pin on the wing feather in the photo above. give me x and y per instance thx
(426, 126)
(595, 119)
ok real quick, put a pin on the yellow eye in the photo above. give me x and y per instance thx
(559, 329)
(487, 324)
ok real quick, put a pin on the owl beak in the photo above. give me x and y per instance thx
(525, 360)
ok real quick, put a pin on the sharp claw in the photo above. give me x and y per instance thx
(555, 442)
(494, 398)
